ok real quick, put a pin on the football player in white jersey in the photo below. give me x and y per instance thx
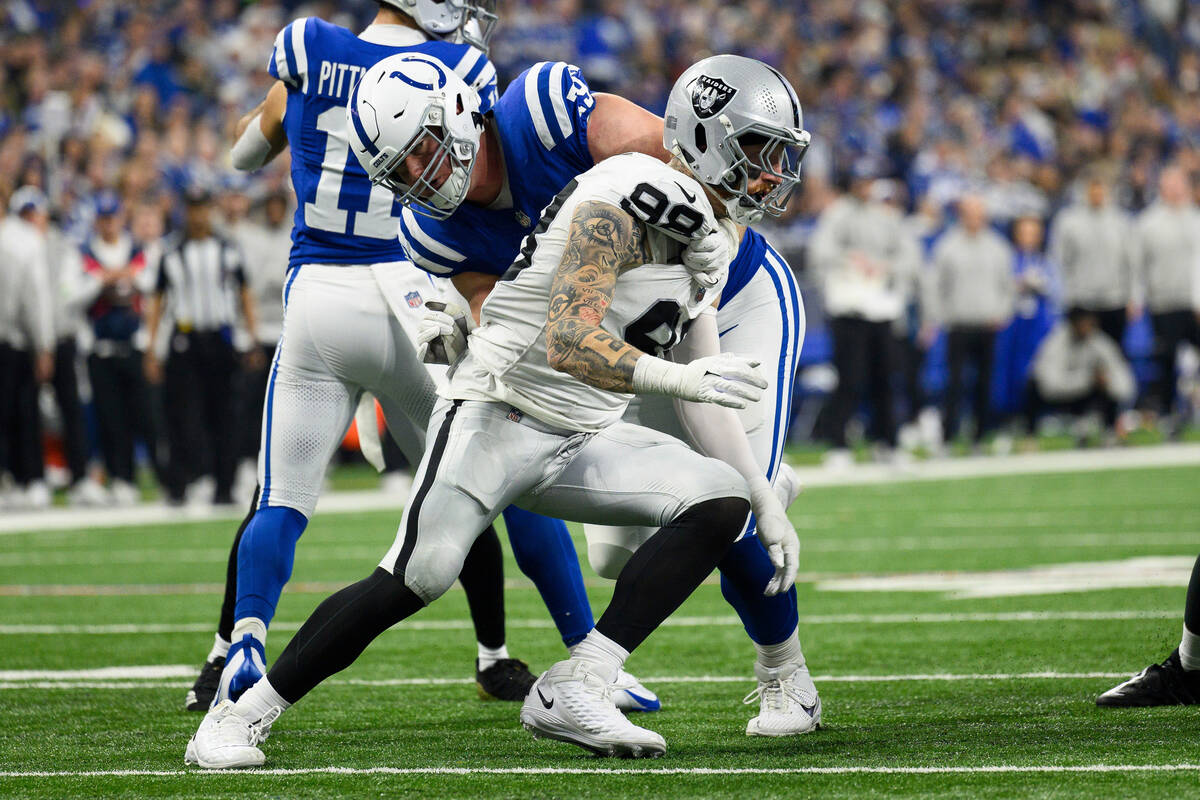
(547, 128)
(531, 416)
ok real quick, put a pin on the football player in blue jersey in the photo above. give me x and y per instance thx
(352, 303)
(547, 128)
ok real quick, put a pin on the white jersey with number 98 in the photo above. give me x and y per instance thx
(652, 304)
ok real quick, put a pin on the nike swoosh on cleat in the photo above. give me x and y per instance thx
(547, 703)
(810, 710)
(691, 198)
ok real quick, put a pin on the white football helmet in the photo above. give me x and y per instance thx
(731, 118)
(439, 18)
(470, 21)
(412, 105)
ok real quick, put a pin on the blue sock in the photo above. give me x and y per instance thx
(265, 560)
(745, 572)
(546, 554)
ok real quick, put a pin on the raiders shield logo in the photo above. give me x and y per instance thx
(710, 95)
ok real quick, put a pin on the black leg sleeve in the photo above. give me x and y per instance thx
(225, 625)
(1191, 612)
(664, 571)
(482, 578)
(339, 630)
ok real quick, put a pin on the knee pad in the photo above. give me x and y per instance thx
(610, 546)
(431, 571)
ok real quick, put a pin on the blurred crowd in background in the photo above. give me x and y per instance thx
(997, 224)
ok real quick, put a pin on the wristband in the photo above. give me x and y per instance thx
(654, 375)
(251, 149)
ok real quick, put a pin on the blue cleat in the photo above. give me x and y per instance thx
(630, 695)
(244, 666)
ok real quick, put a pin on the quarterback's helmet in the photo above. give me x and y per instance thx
(731, 119)
(411, 104)
(471, 21)
(439, 18)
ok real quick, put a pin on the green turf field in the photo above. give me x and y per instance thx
(921, 689)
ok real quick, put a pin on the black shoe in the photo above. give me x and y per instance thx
(201, 695)
(1165, 684)
(507, 679)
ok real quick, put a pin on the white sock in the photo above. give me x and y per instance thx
(788, 651)
(220, 648)
(601, 653)
(258, 700)
(490, 655)
(1189, 650)
(253, 626)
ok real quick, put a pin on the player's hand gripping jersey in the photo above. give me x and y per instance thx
(652, 303)
(340, 217)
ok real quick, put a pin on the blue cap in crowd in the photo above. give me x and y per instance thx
(108, 203)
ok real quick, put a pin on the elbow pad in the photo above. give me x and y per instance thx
(251, 150)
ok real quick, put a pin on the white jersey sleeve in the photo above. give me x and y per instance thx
(653, 304)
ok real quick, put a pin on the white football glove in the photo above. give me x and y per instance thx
(442, 334)
(777, 535)
(726, 379)
(708, 253)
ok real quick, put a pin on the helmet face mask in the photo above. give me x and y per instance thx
(479, 23)
(756, 151)
(439, 149)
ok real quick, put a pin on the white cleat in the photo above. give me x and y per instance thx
(228, 741)
(571, 703)
(87, 493)
(124, 494)
(788, 703)
(629, 694)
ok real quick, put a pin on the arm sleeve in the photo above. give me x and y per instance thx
(289, 57)
(712, 430)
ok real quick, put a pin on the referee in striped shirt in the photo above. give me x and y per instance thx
(201, 283)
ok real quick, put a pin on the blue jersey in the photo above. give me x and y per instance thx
(541, 121)
(340, 217)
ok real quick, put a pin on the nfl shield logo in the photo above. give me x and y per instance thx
(523, 219)
(710, 95)
(413, 299)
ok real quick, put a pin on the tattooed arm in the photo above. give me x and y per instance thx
(602, 240)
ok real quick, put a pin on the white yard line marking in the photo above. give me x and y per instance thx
(1047, 539)
(674, 622)
(1046, 579)
(150, 677)
(84, 520)
(121, 673)
(465, 771)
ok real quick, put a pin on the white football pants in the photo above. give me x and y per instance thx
(482, 457)
(346, 329)
(764, 321)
